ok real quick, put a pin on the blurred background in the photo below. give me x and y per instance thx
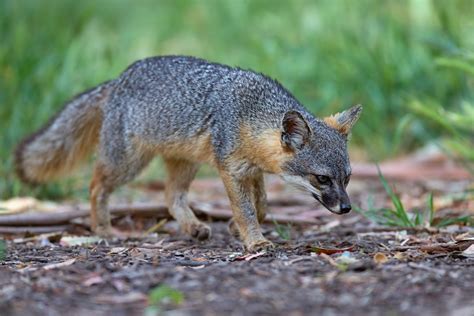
(410, 63)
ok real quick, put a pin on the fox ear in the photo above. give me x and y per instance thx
(343, 121)
(295, 131)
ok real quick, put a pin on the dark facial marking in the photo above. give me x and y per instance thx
(319, 181)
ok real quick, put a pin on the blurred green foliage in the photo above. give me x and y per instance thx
(398, 215)
(458, 122)
(162, 295)
(330, 54)
(3, 250)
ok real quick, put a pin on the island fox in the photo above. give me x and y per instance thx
(191, 111)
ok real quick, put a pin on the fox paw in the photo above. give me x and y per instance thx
(199, 231)
(260, 245)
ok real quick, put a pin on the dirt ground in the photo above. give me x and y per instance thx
(373, 271)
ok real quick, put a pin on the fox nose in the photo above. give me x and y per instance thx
(345, 208)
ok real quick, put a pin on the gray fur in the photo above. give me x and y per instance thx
(162, 99)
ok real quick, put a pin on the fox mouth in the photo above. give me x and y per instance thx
(327, 207)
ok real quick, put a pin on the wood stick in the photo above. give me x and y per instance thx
(61, 217)
(41, 218)
(439, 248)
(33, 229)
(377, 229)
(140, 209)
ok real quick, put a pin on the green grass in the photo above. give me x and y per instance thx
(330, 54)
(283, 231)
(399, 217)
(160, 295)
(457, 123)
(3, 250)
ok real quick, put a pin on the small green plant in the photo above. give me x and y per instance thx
(284, 232)
(160, 295)
(3, 250)
(398, 216)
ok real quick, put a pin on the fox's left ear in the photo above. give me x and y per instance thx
(295, 132)
(343, 121)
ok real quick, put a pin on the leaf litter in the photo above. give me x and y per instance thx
(329, 265)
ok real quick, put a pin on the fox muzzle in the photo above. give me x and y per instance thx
(337, 202)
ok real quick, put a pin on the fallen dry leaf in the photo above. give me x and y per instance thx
(117, 250)
(59, 264)
(464, 236)
(92, 280)
(22, 204)
(330, 251)
(469, 252)
(250, 256)
(132, 297)
(17, 205)
(399, 255)
(52, 237)
(380, 258)
(329, 259)
(198, 267)
(68, 241)
(200, 259)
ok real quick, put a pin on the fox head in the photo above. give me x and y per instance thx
(319, 162)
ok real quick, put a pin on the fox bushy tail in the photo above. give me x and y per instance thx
(65, 141)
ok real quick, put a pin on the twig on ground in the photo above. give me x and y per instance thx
(381, 229)
(156, 227)
(59, 264)
(33, 229)
(439, 248)
(143, 209)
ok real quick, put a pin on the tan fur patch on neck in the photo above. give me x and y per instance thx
(264, 149)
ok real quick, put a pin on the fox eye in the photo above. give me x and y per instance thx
(322, 179)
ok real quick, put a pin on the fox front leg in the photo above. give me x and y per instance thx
(260, 197)
(259, 200)
(240, 189)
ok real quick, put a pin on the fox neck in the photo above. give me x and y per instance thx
(263, 148)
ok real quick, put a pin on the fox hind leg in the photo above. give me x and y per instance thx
(106, 178)
(100, 190)
(180, 175)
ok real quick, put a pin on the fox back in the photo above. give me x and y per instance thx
(167, 99)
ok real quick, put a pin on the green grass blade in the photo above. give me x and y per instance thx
(397, 203)
(431, 210)
(467, 220)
